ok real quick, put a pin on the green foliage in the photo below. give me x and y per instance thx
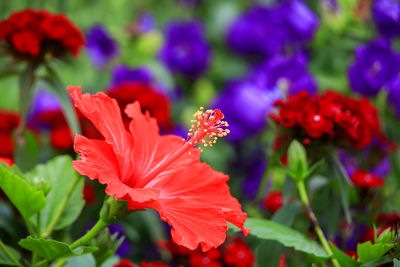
(341, 175)
(5, 260)
(396, 263)
(343, 258)
(28, 153)
(297, 162)
(25, 197)
(65, 198)
(52, 249)
(107, 245)
(269, 250)
(368, 251)
(288, 237)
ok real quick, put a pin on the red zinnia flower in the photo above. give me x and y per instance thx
(159, 172)
(124, 263)
(274, 201)
(39, 35)
(156, 103)
(89, 194)
(153, 264)
(205, 259)
(61, 138)
(364, 179)
(238, 254)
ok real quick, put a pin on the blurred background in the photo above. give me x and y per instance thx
(175, 56)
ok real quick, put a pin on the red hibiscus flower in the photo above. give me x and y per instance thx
(160, 172)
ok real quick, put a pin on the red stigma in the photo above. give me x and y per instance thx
(207, 126)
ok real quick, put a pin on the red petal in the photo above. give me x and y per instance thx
(105, 114)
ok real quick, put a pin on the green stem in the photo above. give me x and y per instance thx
(9, 254)
(60, 263)
(61, 208)
(304, 199)
(100, 225)
(35, 257)
(29, 226)
(27, 79)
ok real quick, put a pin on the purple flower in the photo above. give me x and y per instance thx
(393, 88)
(263, 31)
(123, 73)
(375, 65)
(185, 50)
(386, 14)
(125, 248)
(101, 48)
(258, 31)
(300, 21)
(146, 23)
(43, 103)
(290, 74)
(246, 106)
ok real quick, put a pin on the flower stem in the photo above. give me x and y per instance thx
(100, 225)
(61, 208)
(304, 199)
(27, 79)
(9, 254)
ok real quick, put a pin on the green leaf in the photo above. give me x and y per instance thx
(52, 249)
(26, 198)
(269, 250)
(288, 237)
(297, 160)
(107, 245)
(340, 173)
(57, 87)
(27, 155)
(65, 198)
(396, 263)
(86, 260)
(378, 262)
(343, 258)
(386, 236)
(368, 251)
(5, 260)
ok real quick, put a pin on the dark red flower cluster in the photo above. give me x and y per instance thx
(330, 115)
(89, 194)
(156, 103)
(234, 254)
(274, 201)
(38, 33)
(9, 121)
(128, 263)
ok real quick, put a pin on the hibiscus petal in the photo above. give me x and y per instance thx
(105, 114)
(97, 160)
(197, 203)
(150, 149)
